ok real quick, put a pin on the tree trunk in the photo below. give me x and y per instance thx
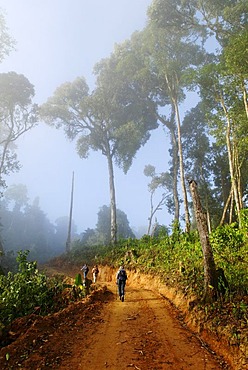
(68, 242)
(113, 223)
(226, 207)
(210, 277)
(170, 124)
(245, 98)
(231, 160)
(175, 161)
(151, 214)
(181, 166)
(154, 210)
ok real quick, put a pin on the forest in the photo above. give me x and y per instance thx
(140, 87)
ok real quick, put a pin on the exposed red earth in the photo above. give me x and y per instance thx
(146, 331)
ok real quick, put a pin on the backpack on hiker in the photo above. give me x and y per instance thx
(122, 275)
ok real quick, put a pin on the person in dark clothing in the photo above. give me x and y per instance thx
(121, 279)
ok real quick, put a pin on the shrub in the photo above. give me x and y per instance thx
(26, 291)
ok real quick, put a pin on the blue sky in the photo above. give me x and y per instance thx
(57, 41)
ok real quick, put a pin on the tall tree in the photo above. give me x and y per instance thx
(235, 56)
(158, 62)
(225, 22)
(199, 155)
(210, 277)
(17, 116)
(103, 231)
(174, 57)
(137, 80)
(228, 122)
(101, 121)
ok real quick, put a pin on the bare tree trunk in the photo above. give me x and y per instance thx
(238, 166)
(208, 221)
(231, 208)
(68, 242)
(181, 166)
(175, 162)
(113, 223)
(210, 276)
(231, 159)
(154, 210)
(226, 207)
(245, 98)
(151, 215)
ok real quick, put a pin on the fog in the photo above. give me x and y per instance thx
(57, 41)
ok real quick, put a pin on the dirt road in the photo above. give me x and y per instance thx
(143, 332)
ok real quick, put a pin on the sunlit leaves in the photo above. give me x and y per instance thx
(236, 54)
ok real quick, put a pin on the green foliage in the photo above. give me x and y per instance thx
(78, 280)
(79, 290)
(229, 244)
(178, 258)
(244, 219)
(24, 292)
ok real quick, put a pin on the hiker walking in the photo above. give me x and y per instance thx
(85, 270)
(121, 278)
(95, 272)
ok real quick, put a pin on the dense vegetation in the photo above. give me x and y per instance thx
(31, 291)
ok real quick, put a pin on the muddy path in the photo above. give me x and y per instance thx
(143, 332)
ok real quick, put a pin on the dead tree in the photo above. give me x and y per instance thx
(68, 241)
(210, 277)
